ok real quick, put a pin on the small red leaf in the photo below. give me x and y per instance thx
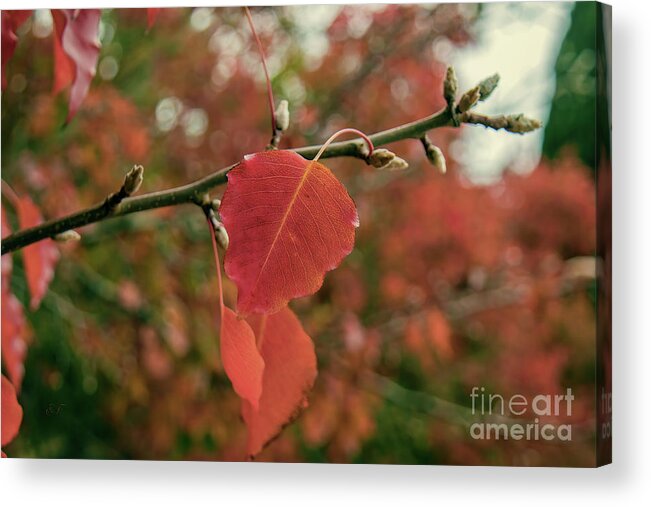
(289, 374)
(242, 361)
(40, 258)
(79, 39)
(14, 333)
(12, 412)
(289, 221)
(240, 356)
(14, 328)
(11, 21)
(152, 14)
(64, 67)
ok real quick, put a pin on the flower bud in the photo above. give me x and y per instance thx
(282, 115)
(65, 236)
(220, 232)
(133, 179)
(450, 86)
(215, 204)
(435, 156)
(520, 124)
(380, 157)
(395, 164)
(469, 99)
(222, 237)
(487, 86)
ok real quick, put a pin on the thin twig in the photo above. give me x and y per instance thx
(516, 123)
(194, 192)
(275, 132)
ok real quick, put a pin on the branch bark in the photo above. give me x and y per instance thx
(194, 192)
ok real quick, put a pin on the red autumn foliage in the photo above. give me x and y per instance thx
(238, 345)
(270, 361)
(14, 328)
(240, 356)
(80, 42)
(76, 49)
(542, 202)
(11, 21)
(64, 67)
(12, 413)
(429, 338)
(152, 14)
(40, 258)
(14, 337)
(289, 222)
(289, 373)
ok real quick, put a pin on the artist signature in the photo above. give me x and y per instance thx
(54, 409)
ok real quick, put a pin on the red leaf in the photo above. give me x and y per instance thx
(64, 67)
(240, 356)
(152, 14)
(40, 258)
(12, 412)
(242, 361)
(14, 334)
(79, 39)
(14, 329)
(289, 221)
(289, 374)
(11, 21)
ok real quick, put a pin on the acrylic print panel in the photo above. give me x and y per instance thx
(340, 234)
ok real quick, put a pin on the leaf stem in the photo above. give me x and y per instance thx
(218, 264)
(270, 93)
(10, 194)
(366, 139)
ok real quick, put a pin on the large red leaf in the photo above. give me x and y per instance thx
(289, 221)
(11, 21)
(40, 258)
(12, 412)
(242, 361)
(289, 374)
(240, 356)
(79, 39)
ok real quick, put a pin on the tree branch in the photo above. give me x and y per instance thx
(194, 192)
(516, 123)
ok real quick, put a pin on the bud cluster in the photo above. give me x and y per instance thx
(133, 180)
